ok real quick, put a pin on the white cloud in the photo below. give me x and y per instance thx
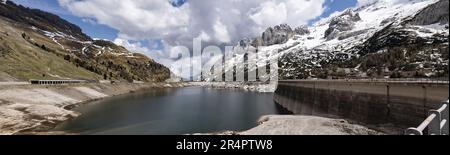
(215, 21)
(203, 36)
(158, 19)
(221, 32)
(133, 47)
(135, 19)
(276, 11)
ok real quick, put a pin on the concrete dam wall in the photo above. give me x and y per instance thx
(370, 102)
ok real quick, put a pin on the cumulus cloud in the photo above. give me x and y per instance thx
(221, 32)
(135, 19)
(133, 47)
(215, 21)
(277, 12)
(224, 20)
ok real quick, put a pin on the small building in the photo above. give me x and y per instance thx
(56, 82)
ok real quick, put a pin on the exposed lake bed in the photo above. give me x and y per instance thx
(36, 109)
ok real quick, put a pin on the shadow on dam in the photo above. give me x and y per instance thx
(402, 104)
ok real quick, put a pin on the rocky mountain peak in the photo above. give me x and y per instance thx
(343, 22)
(302, 30)
(245, 42)
(282, 27)
(278, 34)
(435, 13)
(274, 35)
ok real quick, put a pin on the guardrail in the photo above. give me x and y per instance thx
(436, 124)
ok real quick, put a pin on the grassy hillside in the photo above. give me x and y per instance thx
(23, 60)
(39, 45)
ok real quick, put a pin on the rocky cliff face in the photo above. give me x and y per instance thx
(435, 13)
(344, 22)
(39, 45)
(276, 35)
(302, 30)
(279, 34)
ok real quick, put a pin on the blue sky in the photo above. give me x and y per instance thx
(104, 32)
(335, 5)
(90, 28)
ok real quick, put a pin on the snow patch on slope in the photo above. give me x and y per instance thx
(373, 19)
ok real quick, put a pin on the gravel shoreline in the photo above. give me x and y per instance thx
(307, 125)
(36, 109)
(302, 125)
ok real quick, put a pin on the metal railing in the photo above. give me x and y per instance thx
(436, 124)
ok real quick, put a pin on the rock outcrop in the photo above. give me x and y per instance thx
(435, 13)
(277, 35)
(302, 30)
(344, 22)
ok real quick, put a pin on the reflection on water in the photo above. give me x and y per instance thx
(173, 111)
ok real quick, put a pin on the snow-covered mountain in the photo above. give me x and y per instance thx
(380, 39)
